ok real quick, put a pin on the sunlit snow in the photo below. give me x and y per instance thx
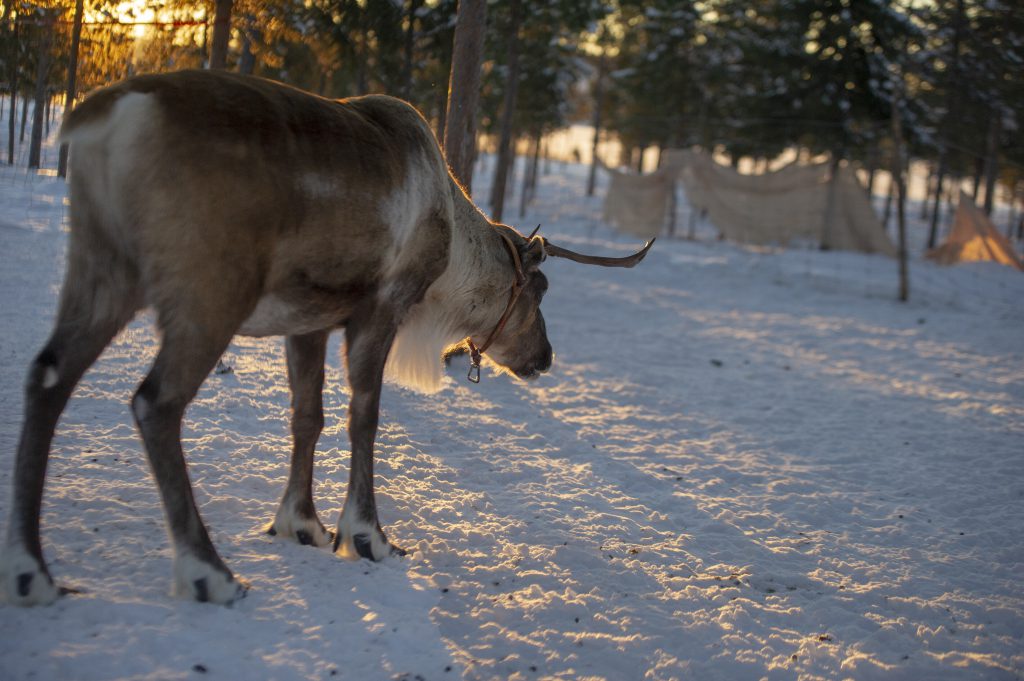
(745, 463)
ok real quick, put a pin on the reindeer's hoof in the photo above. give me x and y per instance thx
(200, 581)
(364, 540)
(26, 580)
(306, 531)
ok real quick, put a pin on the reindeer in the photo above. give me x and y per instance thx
(235, 205)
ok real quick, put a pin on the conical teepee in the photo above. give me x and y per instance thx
(974, 238)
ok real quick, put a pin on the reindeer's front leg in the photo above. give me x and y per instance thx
(369, 335)
(296, 516)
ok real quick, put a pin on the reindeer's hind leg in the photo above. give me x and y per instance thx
(99, 295)
(198, 323)
(296, 517)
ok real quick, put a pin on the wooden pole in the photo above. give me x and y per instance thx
(598, 97)
(897, 174)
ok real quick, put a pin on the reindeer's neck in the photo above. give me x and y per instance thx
(466, 300)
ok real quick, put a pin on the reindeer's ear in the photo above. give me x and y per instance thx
(532, 253)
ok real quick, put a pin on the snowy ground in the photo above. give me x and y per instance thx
(745, 464)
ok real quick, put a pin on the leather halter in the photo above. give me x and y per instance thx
(475, 353)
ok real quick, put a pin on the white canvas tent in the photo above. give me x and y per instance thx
(791, 204)
(974, 238)
(638, 204)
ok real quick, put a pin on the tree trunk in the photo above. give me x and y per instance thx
(464, 90)
(474, 148)
(872, 174)
(221, 34)
(535, 165)
(13, 71)
(506, 152)
(524, 190)
(979, 168)
(897, 170)
(24, 119)
(410, 46)
(937, 204)
(830, 202)
(992, 162)
(952, 113)
(888, 202)
(598, 97)
(442, 114)
(530, 176)
(673, 206)
(362, 50)
(39, 110)
(928, 182)
(247, 60)
(1014, 202)
(510, 179)
(204, 48)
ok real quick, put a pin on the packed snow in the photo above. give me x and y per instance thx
(745, 463)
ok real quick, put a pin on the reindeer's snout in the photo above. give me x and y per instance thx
(540, 364)
(544, 363)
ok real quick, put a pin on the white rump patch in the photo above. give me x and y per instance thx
(131, 114)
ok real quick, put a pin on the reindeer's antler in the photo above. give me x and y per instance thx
(604, 261)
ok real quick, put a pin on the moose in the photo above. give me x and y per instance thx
(235, 205)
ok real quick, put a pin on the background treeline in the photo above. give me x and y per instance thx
(747, 78)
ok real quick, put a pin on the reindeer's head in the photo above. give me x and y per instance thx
(519, 342)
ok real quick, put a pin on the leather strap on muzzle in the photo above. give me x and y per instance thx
(476, 353)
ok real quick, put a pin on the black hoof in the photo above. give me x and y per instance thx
(364, 545)
(272, 531)
(241, 591)
(25, 584)
(305, 538)
(202, 592)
